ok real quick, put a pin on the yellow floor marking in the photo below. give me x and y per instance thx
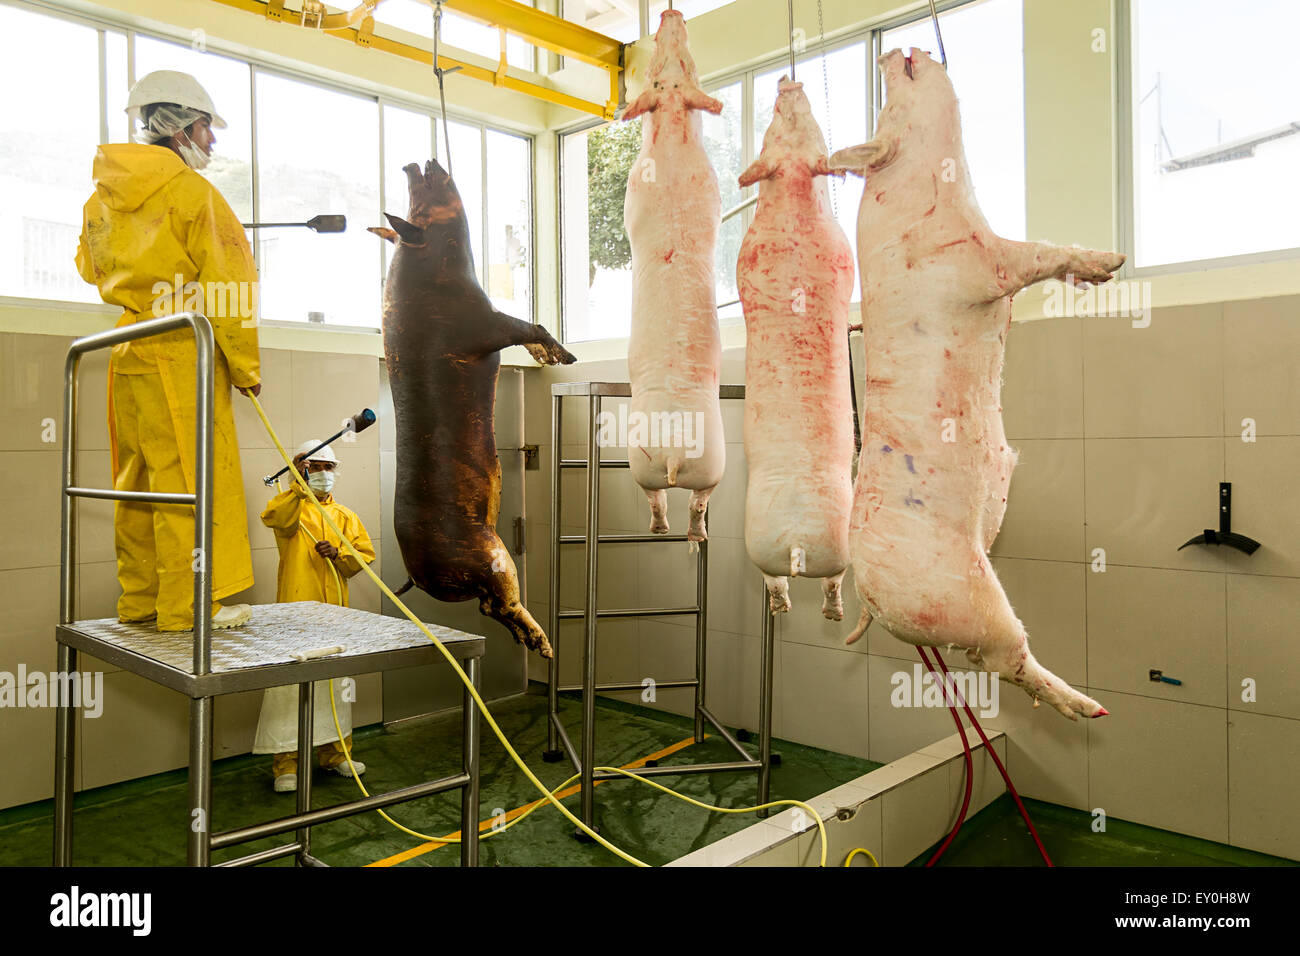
(487, 824)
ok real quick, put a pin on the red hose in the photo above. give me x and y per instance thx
(1001, 769)
(970, 767)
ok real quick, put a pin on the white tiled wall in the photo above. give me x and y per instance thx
(1124, 435)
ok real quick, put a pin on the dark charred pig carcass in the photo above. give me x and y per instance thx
(442, 339)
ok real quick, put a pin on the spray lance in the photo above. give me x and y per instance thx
(357, 423)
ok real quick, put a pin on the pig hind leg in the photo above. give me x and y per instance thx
(501, 603)
(832, 597)
(778, 593)
(1007, 654)
(658, 509)
(699, 509)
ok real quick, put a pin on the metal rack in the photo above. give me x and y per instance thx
(557, 735)
(270, 651)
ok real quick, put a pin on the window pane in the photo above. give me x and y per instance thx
(991, 88)
(724, 143)
(467, 34)
(510, 217)
(307, 167)
(840, 74)
(466, 167)
(47, 146)
(226, 81)
(118, 87)
(597, 260)
(413, 16)
(1215, 151)
(408, 138)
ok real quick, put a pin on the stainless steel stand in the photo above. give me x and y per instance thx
(266, 652)
(557, 736)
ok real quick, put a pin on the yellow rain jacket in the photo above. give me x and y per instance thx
(304, 575)
(158, 238)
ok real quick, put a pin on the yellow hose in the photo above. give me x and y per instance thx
(549, 795)
(848, 860)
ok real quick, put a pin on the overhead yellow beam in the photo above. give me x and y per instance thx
(592, 48)
(542, 29)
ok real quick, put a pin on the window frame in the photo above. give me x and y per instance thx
(1126, 192)
(259, 64)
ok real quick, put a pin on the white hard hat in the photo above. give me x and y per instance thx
(325, 454)
(170, 86)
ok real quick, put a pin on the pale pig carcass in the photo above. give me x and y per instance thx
(795, 275)
(935, 466)
(672, 212)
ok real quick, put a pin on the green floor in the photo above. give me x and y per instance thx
(141, 822)
(997, 836)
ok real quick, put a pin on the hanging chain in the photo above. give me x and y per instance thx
(826, 89)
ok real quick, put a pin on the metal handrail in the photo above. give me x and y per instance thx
(203, 450)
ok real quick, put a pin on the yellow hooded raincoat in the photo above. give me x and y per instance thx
(158, 238)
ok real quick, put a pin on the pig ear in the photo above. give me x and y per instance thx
(699, 100)
(647, 102)
(383, 232)
(759, 169)
(405, 230)
(823, 168)
(858, 159)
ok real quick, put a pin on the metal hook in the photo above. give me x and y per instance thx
(934, 15)
(438, 72)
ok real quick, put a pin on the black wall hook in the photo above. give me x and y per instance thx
(1225, 534)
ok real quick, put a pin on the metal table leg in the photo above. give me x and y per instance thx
(765, 706)
(306, 719)
(701, 634)
(65, 752)
(469, 809)
(553, 753)
(199, 847)
(589, 617)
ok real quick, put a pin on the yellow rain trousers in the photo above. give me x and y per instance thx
(158, 238)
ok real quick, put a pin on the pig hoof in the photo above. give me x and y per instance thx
(658, 524)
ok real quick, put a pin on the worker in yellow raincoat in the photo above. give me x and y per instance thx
(158, 238)
(308, 550)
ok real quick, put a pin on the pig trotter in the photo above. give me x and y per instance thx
(778, 593)
(658, 509)
(699, 510)
(832, 598)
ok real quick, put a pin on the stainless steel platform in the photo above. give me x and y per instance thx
(261, 653)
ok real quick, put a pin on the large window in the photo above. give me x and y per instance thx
(990, 83)
(1215, 128)
(621, 19)
(49, 128)
(838, 82)
(416, 16)
(318, 150)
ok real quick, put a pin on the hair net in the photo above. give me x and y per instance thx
(162, 120)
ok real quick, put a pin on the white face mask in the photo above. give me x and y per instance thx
(194, 157)
(321, 482)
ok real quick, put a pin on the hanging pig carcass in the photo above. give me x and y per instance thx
(935, 466)
(795, 275)
(442, 340)
(672, 211)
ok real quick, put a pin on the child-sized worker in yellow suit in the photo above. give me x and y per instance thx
(307, 551)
